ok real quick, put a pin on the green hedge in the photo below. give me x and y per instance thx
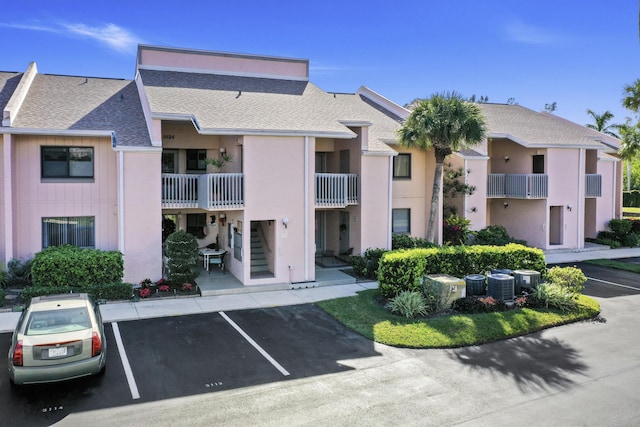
(111, 292)
(631, 199)
(402, 270)
(71, 266)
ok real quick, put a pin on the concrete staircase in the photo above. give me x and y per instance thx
(259, 262)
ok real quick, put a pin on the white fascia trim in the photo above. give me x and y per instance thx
(462, 156)
(15, 102)
(275, 132)
(541, 145)
(146, 107)
(133, 148)
(57, 132)
(356, 123)
(379, 153)
(383, 102)
(224, 73)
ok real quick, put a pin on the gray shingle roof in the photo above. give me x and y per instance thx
(8, 83)
(80, 103)
(541, 129)
(234, 104)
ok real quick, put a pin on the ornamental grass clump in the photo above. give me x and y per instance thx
(409, 304)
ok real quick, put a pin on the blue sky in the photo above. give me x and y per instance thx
(577, 54)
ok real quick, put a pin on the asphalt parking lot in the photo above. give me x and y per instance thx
(155, 359)
(603, 282)
(163, 358)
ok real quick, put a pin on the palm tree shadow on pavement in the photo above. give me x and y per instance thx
(532, 362)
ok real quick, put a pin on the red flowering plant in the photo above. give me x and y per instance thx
(144, 292)
(456, 230)
(187, 287)
(163, 288)
(161, 282)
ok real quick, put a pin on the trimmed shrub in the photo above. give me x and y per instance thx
(620, 227)
(571, 279)
(402, 270)
(3, 279)
(366, 265)
(494, 235)
(408, 304)
(18, 273)
(71, 266)
(111, 292)
(630, 240)
(182, 251)
(403, 241)
(1, 297)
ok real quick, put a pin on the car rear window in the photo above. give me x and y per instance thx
(58, 321)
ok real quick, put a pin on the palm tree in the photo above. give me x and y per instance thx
(630, 146)
(601, 123)
(631, 101)
(444, 123)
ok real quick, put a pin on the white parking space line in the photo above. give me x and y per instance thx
(125, 362)
(255, 345)
(613, 284)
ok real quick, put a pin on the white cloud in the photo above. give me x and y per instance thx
(520, 32)
(111, 35)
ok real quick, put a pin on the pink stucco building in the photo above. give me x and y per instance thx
(247, 154)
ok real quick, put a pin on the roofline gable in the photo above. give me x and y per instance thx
(15, 102)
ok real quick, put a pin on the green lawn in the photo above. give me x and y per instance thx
(364, 315)
(612, 263)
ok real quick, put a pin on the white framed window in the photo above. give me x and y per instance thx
(402, 166)
(66, 162)
(69, 230)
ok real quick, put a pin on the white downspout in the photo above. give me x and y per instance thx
(581, 198)
(614, 185)
(306, 208)
(390, 205)
(121, 201)
(8, 197)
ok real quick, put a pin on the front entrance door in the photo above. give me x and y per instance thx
(344, 231)
(320, 230)
(555, 225)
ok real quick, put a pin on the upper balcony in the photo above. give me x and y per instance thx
(214, 191)
(518, 186)
(336, 190)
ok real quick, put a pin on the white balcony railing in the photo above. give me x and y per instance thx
(593, 185)
(518, 186)
(336, 189)
(179, 190)
(211, 191)
(221, 191)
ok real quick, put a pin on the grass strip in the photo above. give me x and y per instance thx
(612, 263)
(364, 315)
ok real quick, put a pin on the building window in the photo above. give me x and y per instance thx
(196, 160)
(196, 224)
(67, 162)
(72, 230)
(538, 163)
(401, 221)
(402, 166)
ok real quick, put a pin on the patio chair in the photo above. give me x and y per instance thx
(217, 260)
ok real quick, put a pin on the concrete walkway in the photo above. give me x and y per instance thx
(257, 298)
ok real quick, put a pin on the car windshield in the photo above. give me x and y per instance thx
(58, 321)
